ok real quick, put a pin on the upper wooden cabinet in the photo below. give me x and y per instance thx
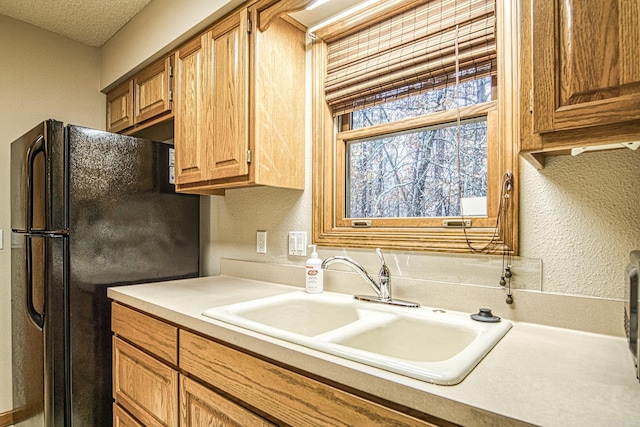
(212, 120)
(580, 74)
(239, 117)
(152, 90)
(120, 107)
(146, 96)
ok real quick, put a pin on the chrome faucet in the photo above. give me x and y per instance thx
(382, 287)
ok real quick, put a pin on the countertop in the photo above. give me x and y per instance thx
(536, 374)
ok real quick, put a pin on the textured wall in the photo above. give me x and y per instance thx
(578, 222)
(580, 215)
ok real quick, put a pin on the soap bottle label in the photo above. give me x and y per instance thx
(314, 279)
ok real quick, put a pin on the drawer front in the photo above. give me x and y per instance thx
(287, 396)
(144, 386)
(202, 407)
(153, 335)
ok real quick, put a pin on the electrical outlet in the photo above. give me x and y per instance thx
(298, 243)
(261, 242)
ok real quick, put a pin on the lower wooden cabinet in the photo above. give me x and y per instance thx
(215, 385)
(202, 407)
(122, 419)
(144, 386)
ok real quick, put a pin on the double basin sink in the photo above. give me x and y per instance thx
(431, 345)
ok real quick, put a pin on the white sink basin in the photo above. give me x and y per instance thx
(292, 313)
(437, 346)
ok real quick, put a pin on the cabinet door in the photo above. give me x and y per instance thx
(586, 63)
(152, 88)
(227, 107)
(144, 386)
(120, 107)
(191, 150)
(122, 419)
(202, 407)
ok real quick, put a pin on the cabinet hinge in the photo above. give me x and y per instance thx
(170, 71)
(249, 28)
(171, 96)
(531, 100)
(248, 156)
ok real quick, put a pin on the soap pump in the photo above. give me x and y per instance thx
(314, 273)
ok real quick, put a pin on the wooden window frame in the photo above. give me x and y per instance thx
(503, 131)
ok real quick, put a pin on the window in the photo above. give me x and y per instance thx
(413, 128)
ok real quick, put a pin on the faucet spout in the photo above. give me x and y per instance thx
(382, 287)
(356, 266)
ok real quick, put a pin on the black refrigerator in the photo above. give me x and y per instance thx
(89, 210)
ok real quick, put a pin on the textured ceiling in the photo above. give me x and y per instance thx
(91, 22)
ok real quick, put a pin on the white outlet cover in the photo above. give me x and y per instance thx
(261, 242)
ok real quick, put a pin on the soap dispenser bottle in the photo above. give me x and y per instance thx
(313, 273)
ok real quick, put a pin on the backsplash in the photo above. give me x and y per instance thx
(594, 315)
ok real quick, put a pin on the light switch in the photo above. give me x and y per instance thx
(298, 243)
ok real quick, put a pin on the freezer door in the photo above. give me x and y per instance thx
(37, 180)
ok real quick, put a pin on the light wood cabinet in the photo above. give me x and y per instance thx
(120, 107)
(580, 74)
(219, 385)
(152, 90)
(122, 419)
(143, 100)
(144, 386)
(240, 106)
(211, 126)
(152, 335)
(145, 378)
(289, 397)
(202, 407)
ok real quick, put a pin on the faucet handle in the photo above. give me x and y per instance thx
(384, 278)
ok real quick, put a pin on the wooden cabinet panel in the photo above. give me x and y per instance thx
(155, 336)
(152, 90)
(287, 396)
(120, 107)
(147, 388)
(143, 100)
(190, 117)
(202, 407)
(586, 63)
(240, 105)
(279, 94)
(211, 123)
(122, 419)
(228, 103)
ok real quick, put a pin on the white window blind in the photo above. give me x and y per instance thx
(411, 52)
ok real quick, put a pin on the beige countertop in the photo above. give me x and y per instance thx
(535, 375)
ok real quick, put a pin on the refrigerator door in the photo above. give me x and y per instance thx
(27, 336)
(126, 225)
(37, 180)
(35, 276)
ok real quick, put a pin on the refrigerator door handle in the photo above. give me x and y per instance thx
(36, 147)
(36, 317)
